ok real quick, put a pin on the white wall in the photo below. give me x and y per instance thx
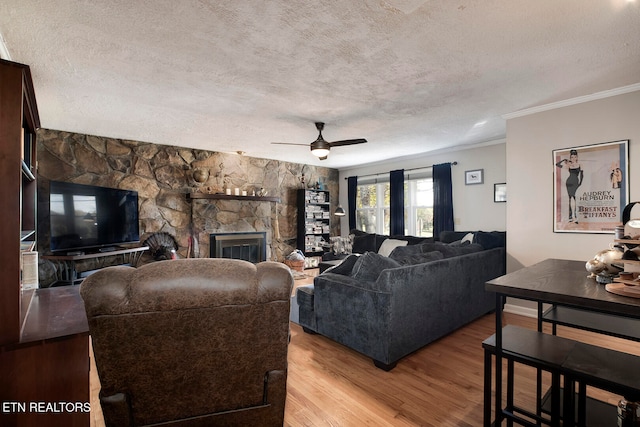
(473, 205)
(530, 141)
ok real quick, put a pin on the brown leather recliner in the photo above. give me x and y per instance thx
(191, 342)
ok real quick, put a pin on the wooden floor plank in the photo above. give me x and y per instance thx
(439, 385)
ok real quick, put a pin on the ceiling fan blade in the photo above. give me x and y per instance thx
(290, 143)
(347, 142)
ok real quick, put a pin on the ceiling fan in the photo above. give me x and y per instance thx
(320, 147)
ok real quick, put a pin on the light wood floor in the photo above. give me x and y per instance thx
(439, 385)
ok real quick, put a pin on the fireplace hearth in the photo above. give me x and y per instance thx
(249, 246)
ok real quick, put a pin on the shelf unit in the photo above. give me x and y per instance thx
(314, 221)
(19, 121)
(44, 343)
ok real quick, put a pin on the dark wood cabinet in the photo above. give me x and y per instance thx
(44, 343)
(18, 124)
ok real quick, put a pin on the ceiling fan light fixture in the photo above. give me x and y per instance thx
(320, 148)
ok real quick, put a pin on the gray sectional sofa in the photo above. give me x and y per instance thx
(388, 307)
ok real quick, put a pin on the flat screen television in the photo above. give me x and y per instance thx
(86, 217)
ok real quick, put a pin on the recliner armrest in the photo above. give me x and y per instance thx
(117, 409)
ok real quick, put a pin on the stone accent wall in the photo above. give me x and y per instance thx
(163, 176)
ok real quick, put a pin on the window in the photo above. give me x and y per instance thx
(418, 209)
(372, 207)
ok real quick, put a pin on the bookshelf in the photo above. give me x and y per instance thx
(44, 344)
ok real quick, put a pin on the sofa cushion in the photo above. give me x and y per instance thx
(368, 267)
(491, 239)
(371, 242)
(449, 236)
(403, 251)
(413, 240)
(304, 296)
(444, 248)
(344, 267)
(389, 245)
(419, 258)
(451, 249)
(467, 248)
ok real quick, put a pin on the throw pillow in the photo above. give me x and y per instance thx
(369, 266)
(337, 247)
(389, 245)
(341, 245)
(348, 246)
(364, 243)
(468, 238)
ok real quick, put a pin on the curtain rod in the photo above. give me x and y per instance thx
(406, 170)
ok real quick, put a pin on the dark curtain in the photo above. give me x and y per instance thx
(352, 189)
(442, 199)
(396, 207)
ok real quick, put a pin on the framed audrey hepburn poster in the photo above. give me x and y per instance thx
(590, 187)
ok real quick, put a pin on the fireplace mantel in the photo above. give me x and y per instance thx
(232, 197)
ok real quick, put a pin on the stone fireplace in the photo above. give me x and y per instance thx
(248, 246)
(164, 176)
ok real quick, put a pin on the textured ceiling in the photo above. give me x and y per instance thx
(411, 76)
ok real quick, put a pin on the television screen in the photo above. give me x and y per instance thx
(87, 216)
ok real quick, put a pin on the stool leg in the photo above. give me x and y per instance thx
(582, 404)
(555, 399)
(568, 407)
(487, 388)
(510, 389)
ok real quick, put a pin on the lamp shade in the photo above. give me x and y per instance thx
(339, 211)
(320, 147)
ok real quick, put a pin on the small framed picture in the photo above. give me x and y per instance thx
(500, 192)
(474, 177)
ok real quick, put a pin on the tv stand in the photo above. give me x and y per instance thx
(66, 268)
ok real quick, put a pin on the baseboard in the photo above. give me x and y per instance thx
(520, 310)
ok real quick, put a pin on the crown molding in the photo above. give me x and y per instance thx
(4, 52)
(573, 101)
